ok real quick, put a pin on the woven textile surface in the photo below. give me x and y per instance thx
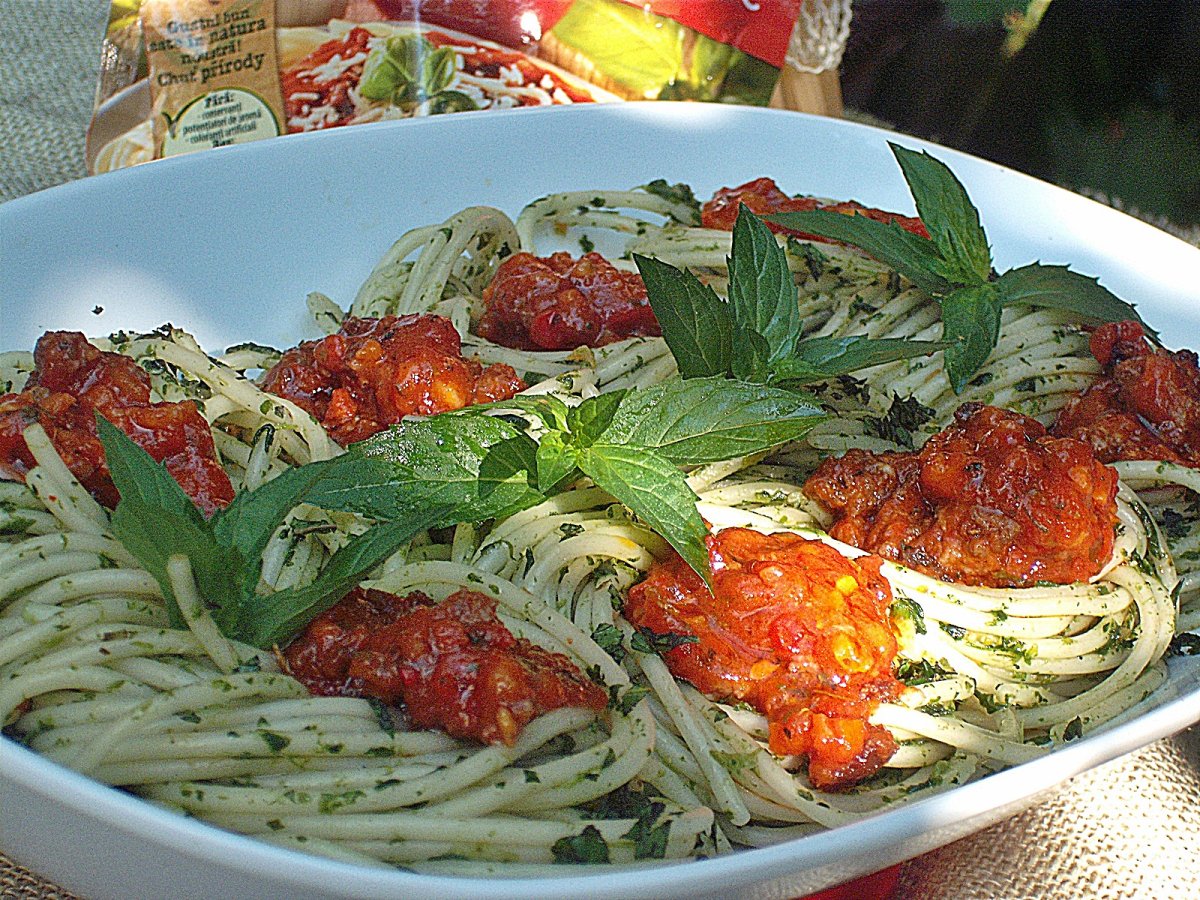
(1130, 829)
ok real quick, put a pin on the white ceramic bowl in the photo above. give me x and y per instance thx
(228, 242)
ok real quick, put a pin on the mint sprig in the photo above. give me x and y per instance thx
(761, 318)
(630, 443)
(955, 265)
(155, 520)
(467, 466)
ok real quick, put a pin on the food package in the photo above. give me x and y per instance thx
(185, 75)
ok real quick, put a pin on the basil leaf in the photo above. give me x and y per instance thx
(657, 493)
(479, 466)
(751, 361)
(819, 358)
(696, 324)
(705, 420)
(555, 460)
(762, 292)
(948, 214)
(911, 255)
(587, 421)
(688, 207)
(1057, 287)
(155, 519)
(248, 522)
(971, 321)
(275, 617)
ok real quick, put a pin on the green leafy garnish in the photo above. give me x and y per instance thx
(155, 519)
(762, 292)
(408, 69)
(971, 322)
(955, 265)
(761, 319)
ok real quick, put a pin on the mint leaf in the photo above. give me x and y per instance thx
(762, 291)
(948, 214)
(155, 519)
(1057, 287)
(248, 522)
(705, 420)
(753, 358)
(275, 617)
(696, 324)
(971, 322)
(657, 493)
(587, 421)
(913, 256)
(478, 466)
(819, 358)
(555, 460)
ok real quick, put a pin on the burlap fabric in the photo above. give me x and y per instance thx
(1130, 829)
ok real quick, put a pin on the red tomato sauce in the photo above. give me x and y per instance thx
(1145, 406)
(453, 664)
(486, 62)
(794, 629)
(764, 197)
(559, 303)
(71, 382)
(993, 500)
(374, 372)
(305, 89)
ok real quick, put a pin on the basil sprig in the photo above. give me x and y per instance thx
(755, 335)
(466, 466)
(955, 265)
(630, 443)
(155, 520)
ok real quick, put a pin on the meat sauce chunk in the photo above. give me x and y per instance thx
(763, 197)
(453, 664)
(993, 500)
(1146, 405)
(374, 372)
(794, 629)
(72, 381)
(560, 303)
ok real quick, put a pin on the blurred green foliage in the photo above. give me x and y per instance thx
(1101, 96)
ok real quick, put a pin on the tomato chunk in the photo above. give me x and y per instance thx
(452, 664)
(71, 382)
(559, 303)
(763, 196)
(793, 628)
(992, 500)
(374, 372)
(1145, 406)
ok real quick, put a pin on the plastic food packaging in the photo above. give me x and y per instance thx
(185, 75)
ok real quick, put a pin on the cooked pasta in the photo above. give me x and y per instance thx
(93, 675)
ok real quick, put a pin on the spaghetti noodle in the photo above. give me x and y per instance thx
(93, 675)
